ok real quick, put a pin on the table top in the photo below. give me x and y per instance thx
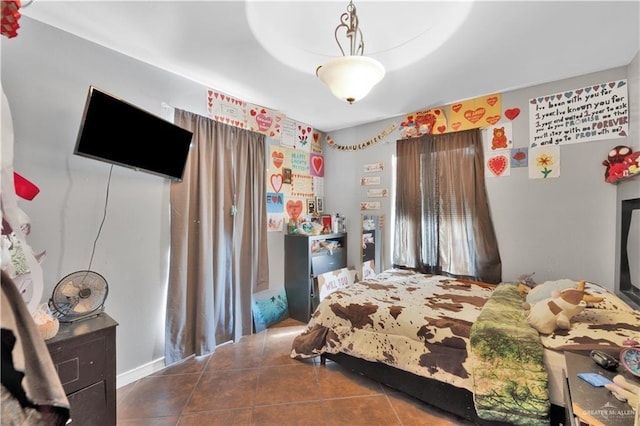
(596, 405)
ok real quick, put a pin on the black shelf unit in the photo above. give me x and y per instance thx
(304, 260)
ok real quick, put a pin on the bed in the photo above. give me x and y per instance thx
(462, 346)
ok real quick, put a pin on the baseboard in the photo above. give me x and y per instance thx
(139, 372)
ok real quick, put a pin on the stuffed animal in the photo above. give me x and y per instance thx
(555, 312)
(545, 291)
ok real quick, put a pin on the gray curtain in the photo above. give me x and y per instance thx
(443, 222)
(218, 238)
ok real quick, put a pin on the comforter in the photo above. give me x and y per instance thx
(414, 322)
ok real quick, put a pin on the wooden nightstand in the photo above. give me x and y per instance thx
(595, 405)
(84, 354)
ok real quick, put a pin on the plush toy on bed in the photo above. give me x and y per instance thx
(555, 312)
(546, 290)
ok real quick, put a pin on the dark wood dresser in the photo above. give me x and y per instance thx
(84, 353)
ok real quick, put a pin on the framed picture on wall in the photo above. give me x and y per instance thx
(311, 206)
(286, 175)
(319, 204)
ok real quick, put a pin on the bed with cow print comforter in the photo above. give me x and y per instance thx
(430, 335)
(414, 322)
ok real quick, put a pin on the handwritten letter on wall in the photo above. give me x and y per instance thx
(591, 113)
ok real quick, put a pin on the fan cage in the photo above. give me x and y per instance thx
(65, 311)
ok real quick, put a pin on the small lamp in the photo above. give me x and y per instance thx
(351, 77)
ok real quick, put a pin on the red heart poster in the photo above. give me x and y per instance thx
(317, 165)
(498, 165)
(294, 208)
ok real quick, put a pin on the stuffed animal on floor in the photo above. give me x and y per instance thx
(547, 315)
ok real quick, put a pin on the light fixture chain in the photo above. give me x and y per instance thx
(351, 24)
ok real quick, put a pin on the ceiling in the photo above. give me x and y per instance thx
(435, 53)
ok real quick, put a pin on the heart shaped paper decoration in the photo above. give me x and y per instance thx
(475, 115)
(512, 113)
(493, 119)
(317, 162)
(497, 164)
(276, 182)
(264, 122)
(294, 208)
(278, 158)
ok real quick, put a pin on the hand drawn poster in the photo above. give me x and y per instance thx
(498, 164)
(304, 136)
(544, 162)
(226, 109)
(264, 120)
(317, 165)
(497, 137)
(431, 121)
(587, 114)
(473, 113)
(288, 133)
(316, 144)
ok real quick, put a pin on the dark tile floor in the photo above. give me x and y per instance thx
(255, 382)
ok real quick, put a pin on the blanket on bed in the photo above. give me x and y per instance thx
(414, 322)
(510, 383)
(605, 324)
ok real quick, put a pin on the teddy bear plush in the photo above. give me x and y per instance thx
(555, 312)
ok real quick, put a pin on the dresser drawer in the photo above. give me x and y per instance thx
(326, 261)
(80, 363)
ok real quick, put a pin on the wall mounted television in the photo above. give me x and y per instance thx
(117, 132)
(629, 284)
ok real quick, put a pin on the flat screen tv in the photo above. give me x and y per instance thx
(117, 132)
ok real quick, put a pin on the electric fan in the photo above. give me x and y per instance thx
(79, 295)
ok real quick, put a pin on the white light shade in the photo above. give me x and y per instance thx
(351, 78)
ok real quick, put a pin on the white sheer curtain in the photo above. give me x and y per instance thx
(218, 238)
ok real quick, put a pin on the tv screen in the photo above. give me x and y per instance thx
(117, 132)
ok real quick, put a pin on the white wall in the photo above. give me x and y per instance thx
(558, 228)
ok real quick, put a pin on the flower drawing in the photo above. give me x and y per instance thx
(544, 161)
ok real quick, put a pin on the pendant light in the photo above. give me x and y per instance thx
(350, 77)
